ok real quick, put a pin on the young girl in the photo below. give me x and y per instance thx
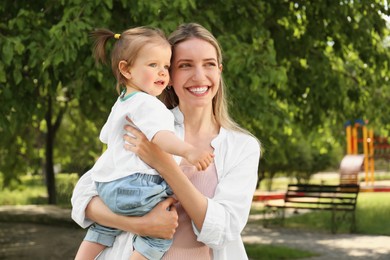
(140, 61)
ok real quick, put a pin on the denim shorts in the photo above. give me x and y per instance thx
(134, 195)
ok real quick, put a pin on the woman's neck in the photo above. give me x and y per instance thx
(200, 121)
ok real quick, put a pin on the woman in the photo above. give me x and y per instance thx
(215, 203)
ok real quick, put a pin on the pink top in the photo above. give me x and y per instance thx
(185, 245)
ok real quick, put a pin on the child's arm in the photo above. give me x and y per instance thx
(170, 143)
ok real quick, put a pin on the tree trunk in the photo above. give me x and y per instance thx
(50, 178)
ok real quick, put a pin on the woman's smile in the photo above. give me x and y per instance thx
(198, 91)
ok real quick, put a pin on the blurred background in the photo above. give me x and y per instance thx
(299, 73)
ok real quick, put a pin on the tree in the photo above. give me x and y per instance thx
(292, 69)
(43, 44)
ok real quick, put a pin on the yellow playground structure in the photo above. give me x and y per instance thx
(361, 150)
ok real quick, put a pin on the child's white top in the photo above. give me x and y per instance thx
(149, 115)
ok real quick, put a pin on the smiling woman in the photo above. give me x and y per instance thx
(214, 202)
(199, 73)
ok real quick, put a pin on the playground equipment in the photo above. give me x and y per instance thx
(360, 138)
(359, 134)
(350, 167)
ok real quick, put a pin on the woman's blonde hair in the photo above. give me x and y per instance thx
(220, 107)
(126, 48)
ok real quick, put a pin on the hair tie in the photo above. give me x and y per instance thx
(117, 36)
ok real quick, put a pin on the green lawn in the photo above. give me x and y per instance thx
(32, 190)
(270, 252)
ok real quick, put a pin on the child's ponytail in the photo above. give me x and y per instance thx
(100, 37)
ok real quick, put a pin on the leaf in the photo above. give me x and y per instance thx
(8, 52)
(108, 3)
(17, 75)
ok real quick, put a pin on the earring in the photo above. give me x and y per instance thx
(168, 88)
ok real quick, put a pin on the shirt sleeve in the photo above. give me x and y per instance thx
(83, 192)
(152, 116)
(228, 211)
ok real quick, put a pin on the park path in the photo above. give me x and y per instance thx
(19, 241)
(328, 246)
(22, 241)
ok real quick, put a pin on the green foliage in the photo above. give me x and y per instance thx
(27, 190)
(296, 71)
(65, 185)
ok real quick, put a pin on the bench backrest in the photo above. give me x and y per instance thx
(331, 197)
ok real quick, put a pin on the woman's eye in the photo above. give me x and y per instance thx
(211, 64)
(184, 65)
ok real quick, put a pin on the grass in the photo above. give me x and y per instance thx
(270, 252)
(32, 190)
(373, 211)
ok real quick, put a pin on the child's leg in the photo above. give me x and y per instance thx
(149, 248)
(137, 256)
(89, 250)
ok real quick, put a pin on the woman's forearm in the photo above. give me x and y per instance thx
(159, 222)
(100, 213)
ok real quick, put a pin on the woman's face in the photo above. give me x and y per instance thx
(195, 73)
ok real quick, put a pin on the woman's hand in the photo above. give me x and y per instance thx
(161, 221)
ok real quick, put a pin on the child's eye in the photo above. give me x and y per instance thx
(167, 67)
(153, 65)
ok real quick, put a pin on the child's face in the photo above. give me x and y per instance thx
(149, 72)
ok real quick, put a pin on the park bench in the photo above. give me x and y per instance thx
(339, 199)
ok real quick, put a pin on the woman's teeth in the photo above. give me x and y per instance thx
(199, 90)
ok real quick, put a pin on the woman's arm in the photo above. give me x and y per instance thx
(222, 218)
(159, 222)
(170, 143)
(87, 208)
(228, 211)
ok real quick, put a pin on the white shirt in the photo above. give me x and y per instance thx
(149, 115)
(236, 159)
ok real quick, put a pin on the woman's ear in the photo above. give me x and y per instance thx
(124, 69)
(220, 68)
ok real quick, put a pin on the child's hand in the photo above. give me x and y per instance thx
(200, 159)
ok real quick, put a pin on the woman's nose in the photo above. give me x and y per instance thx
(199, 74)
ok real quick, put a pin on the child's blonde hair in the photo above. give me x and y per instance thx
(127, 46)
